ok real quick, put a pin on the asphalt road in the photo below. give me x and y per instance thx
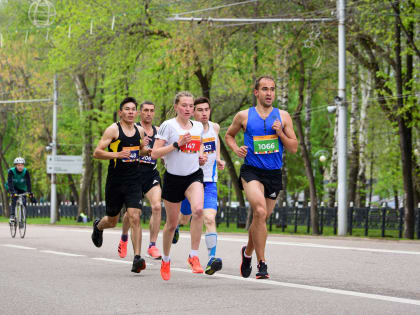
(57, 270)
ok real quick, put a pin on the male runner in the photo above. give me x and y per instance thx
(267, 130)
(202, 112)
(123, 183)
(150, 182)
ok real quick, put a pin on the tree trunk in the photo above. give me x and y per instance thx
(85, 105)
(354, 146)
(282, 62)
(363, 157)
(305, 153)
(405, 135)
(75, 194)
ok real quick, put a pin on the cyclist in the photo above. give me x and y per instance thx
(18, 182)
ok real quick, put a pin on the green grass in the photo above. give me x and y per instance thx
(223, 228)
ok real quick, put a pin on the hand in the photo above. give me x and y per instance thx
(242, 151)
(220, 165)
(202, 159)
(184, 139)
(146, 141)
(125, 154)
(277, 126)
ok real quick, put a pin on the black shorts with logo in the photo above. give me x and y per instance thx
(149, 180)
(119, 193)
(174, 186)
(271, 179)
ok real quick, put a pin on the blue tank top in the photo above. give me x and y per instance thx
(265, 149)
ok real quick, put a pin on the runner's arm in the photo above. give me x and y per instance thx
(160, 149)
(287, 134)
(144, 149)
(100, 152)
(234, 128)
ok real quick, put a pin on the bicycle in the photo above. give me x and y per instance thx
(20, 216)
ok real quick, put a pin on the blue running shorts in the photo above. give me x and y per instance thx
(210, 199)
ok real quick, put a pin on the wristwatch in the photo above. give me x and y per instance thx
(175, 145)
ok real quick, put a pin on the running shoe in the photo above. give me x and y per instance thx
(138, 264)
(97, 234)
(262, 271)
(165, 270)
(122, 248)
(154, 253)
(176, 236)
(246, 267)
(194, 262)
(214, 264)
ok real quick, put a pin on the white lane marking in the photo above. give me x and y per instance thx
(17, 246)
(364, 249)
(326, 290)
(244, 240)
(61, 253)
(292, 285)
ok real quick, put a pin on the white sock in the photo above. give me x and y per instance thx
(194, 252)
(166, 258)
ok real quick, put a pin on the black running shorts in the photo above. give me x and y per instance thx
(271, 179)
(118, 193)
(149, 180)
(174, 186)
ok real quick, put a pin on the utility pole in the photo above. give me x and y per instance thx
(54, 153)
(342, 121)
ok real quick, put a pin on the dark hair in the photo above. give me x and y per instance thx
(128, 100)
(257, 81)
(202, 100)
(146, 103)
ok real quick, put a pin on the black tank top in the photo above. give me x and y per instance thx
(146, 162)
(129, 167)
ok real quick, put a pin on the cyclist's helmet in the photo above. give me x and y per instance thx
(19, 160)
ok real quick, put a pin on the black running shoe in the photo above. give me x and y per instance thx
(138, 264)
(214, 264)
(97, 234)
(262, 271)
(246, 267)
(176, 236)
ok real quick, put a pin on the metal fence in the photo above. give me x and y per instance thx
(368, 218)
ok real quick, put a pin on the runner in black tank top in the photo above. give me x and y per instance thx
(150, 183)
(123, 186)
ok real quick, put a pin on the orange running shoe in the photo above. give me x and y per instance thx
(194, 262)
(165, 270)
(154, 253)
(122, 248)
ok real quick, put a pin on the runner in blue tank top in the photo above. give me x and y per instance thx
(267, 130)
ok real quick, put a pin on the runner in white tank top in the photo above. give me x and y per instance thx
(179, 140)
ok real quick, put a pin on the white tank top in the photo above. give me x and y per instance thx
(185, 161)
(210, 143)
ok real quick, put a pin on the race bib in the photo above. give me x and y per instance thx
(266, 144)
(134, 154)
(209, 145)
(147, 160)
(193, 146)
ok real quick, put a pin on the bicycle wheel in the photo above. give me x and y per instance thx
(13, 225)
(22, 221)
